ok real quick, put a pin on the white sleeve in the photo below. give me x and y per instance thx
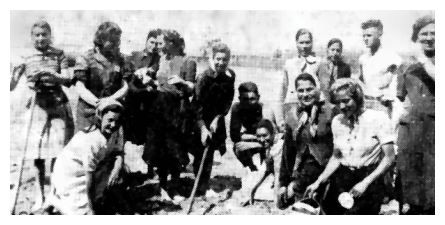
(385, 132)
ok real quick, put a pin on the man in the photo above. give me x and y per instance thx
(245, 116)
(333, 67)
(213, 98)
(377, 69)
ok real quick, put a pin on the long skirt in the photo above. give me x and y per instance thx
(416, 162)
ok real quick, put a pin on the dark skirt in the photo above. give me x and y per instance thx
(343, 180)
(164, 136)
(415, 162)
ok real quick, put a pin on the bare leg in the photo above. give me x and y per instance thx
(39, 165)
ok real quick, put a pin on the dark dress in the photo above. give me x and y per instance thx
(157, 118)
(304, 155)
(213, 96)
(138, 100)
(100, 76)
(415, 159)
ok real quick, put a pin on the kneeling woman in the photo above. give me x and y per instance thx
(363, 152)
(90, 164)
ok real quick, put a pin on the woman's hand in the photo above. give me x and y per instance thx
(310, 190)
(359, 189)
(113, 179)
(214, 124)
(205, 135)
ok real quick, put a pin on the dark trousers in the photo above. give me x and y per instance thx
(343, 180)
(206, 172)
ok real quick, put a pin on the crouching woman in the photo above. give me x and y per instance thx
(363, 152)
(90, 165)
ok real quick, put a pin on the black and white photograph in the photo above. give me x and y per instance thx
(222, 112)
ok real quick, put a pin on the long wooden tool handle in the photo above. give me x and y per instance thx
(198, 176)
(19, 179)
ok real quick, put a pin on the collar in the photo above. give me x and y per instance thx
(311, 58)
(50, 50)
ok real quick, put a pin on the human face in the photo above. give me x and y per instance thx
(151, 45)
(221, 61)
(111, 47)
(264, 137)
(249, 99)
(41, 38)
(304, 45)
(110, 122)
(371, 37)
(426, 37)
(334, 52)
(160, 43)
(306, 93)
(345, 103)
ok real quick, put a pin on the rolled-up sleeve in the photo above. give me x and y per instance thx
(385, 132)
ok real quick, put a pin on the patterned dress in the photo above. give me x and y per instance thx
(52, 123)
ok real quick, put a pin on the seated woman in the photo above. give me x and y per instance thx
(363, 152)
(307, 142)
(90, 165)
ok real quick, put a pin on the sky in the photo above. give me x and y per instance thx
(246, 32)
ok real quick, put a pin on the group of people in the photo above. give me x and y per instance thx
(369, 135)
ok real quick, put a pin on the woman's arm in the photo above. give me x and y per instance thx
(383, 166)
(90, 189)
(86, 94)
(119, 94)
(114, 176)
(331, 167)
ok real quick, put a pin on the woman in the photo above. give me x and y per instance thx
(98, 75)
(416, 132)
(90, 165)
(363, 152)
(307, 142)
(45, 70)
(169, 131)
(333, 67)
(304, 62)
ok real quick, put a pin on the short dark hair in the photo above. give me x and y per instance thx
(305, 76)
(42, 24)
(268, 125)
(220, 47)
(105, 32)
(419, 24)
(335, 40)
(372, 23)
(154, 33)
(248, 87)
(301, 32)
